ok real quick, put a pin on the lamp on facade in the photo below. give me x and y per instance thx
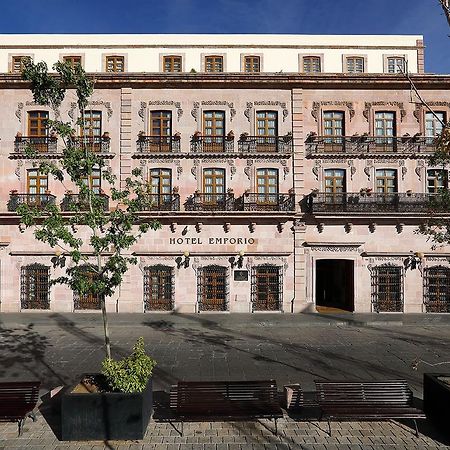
(414, 261)
(238, 260)
(186, 259)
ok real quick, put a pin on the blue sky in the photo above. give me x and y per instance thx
(237, 16)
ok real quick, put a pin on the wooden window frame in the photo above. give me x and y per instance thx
(219, 271)
(346, 59)
(165, 285)
(32, 284)
(304, 56)
(436, 280)
(267, 270)
(385, 179)
(214, 177)
(39, 177)
(386, 59)
(205, 58)
(65, 58)
(436, 187)
(172, 64)
(244, 59)
(377, 293)
(116, 56)
(17, 58)
(334, 186)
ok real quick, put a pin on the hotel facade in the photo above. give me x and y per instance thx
(289, 173)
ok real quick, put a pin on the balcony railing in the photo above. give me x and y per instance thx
(210, 202)
(370, 145)
(161, 202)
(97, 144)
(77, 202)
(265, 144)
(325, 202)
(40, 144)
(212, 144)
(32, 200)
(158, 144)
(267, 202)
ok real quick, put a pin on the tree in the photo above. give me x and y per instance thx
(91, 239)
(446, 8)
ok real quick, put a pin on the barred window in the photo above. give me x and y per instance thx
(387, 288)
(87, 300)
(312, 64)
(267, 288)
(35, 287)
(212, 288)
(158, 288)
(437, 289)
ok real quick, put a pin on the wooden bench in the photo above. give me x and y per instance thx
(225, 400)
(17, 401)
(372, 400)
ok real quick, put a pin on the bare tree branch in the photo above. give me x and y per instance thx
(446, 7)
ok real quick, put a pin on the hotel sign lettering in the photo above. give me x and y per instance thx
(212, 241)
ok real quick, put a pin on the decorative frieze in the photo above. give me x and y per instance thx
(144, 105)
(369, 105)
(92, 104)
(318, 105)
(196, 107)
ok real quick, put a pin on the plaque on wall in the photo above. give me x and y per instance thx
(241, 275)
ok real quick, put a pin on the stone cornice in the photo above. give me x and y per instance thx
(247, 81)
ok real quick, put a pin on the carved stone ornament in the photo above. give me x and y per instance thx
(317, 106)
(419, 168)
(150, 103)
(20, 106)
(352, 168)
(19, 111)
(92, 104)
(369, 105)
(299, 226)
(336, 248)
(230, 105)
(419, 108)
(248, 111)
(282, 105)
(18, 170)
(316, 168)
(194, 111)
(368, 168)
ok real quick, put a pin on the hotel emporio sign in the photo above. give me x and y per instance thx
(212, 241)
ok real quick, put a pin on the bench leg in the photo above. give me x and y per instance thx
(32, 416)
(329, 427)
(276, 426)
(182, 428)
(20, 426)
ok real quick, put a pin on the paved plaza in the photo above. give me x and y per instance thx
(58, 348)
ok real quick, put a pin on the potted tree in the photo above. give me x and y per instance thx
(92, 246)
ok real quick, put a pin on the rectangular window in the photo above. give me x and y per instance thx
(385, 130)
(72, 60)
(333, 130)
(158, 288)
(95, 180)
(213, 131)
(161, 188)
(214, 185)
(433, 125)
(386, 181)
(396, 64)
(212, 288)
(437, 289)
(355, 64)
(267, 288)
(172, 63)
(387, 288)
(214, 63)
(91, 132)
(38, 130)
(267, 131)
(437, 180)
(88, 300)
(312, 64)
(334, 181)
(35, 287)
(37, 183)
(252, 64)
(18, 63)
(267, 186)
(115, 64)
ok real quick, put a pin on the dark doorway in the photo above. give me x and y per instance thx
(334, 284)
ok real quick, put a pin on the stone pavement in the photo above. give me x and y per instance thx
(56, 348)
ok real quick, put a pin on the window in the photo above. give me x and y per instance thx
(267, 186)
(387, 288)
(437, 180)
(212, 288)
(88, 300)
(158, 288)
(437, 289)
(355, 64)
(386, 181)
(172, 63)
(334, 181)
(266, 131)
(37, 183)
(396, 64)
(72, 60)
(91, 132)
(333, 130)
(267, 287)
(213, 131)
(35, 287)
(38, 130)
(433, 125)
(214, 185)
(96, 181)
(214, 63)
(385, 130)
(252, 64)
(18, 63)
(115, 64)
(312, 64)
(161, 188)
(160, 129)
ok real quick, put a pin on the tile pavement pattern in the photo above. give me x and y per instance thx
(57, 348)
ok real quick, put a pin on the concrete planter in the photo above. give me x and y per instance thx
(436, 399)
(106, 415)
